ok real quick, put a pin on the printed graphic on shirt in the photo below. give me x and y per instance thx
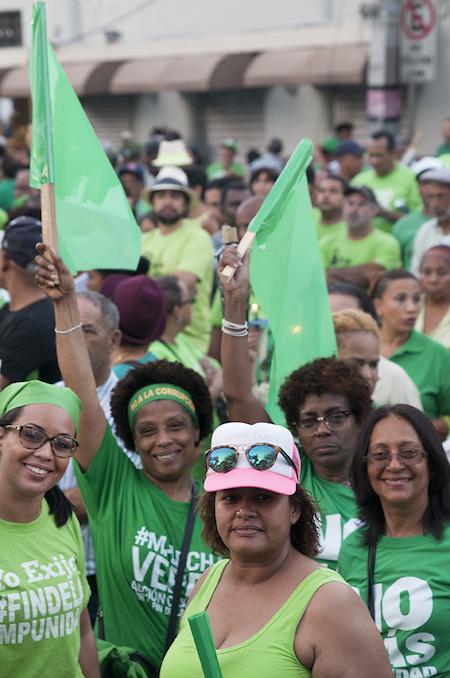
(401, 611)
(40, 600)
(155, 564)
(333, 529)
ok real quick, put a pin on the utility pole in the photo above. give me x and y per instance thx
(383, 92)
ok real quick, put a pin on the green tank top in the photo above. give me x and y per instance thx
(268, 653)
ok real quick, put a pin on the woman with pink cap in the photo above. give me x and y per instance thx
(268, 602)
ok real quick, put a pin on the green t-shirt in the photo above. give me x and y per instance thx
(188, 248)
(398, 190)
(412, 599)
(7, 188)
(428, 365)
(325, 230)
(339, 251)
(180, 351)
(337, 508)
(137, 533)
(43, 590)
(405, 230)
(269, 653)
(443, 149)
(216, 170)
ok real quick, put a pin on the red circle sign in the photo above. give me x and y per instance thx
(418, 18)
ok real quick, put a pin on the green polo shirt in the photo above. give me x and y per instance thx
(428, 365)
(405, 230)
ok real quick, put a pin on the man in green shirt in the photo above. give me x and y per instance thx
(330, 201)
(361, 251)
(225, 166)
(395, 186)
(181, 249)
(406, 227)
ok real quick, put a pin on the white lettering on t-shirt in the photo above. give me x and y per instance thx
(331, 534)
(46, 611)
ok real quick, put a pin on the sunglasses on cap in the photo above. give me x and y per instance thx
(260, 456)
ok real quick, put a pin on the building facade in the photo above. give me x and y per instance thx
(251, 70)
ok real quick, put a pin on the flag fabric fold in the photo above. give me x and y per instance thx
(287, 276)
(96, 226)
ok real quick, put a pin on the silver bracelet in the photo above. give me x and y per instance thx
(234, 333)
(71, 329)
(234, 326)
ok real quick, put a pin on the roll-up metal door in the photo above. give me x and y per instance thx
(234, 113)
(109, 115)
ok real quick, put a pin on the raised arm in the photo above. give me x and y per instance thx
(55, 280)
(241, 403)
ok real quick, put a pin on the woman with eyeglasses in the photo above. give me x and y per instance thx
(396, 297)
(398, 560)
(44, 622)
(325, 403)
(268, 601)
(434, 275)
(146, 533)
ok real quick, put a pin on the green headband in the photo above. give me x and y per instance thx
(149, 394)
(37, 392)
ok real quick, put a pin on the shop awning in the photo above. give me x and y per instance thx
(190, 73)
(325, 65)
(85, 77)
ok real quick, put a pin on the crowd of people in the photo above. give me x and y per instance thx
(141, 477)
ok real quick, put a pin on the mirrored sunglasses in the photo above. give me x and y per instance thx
(260, 456)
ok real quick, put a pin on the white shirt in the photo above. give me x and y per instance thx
(395, 386)
(429, 235)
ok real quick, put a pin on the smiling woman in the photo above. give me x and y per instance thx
(268, 601)
(139, 519)
(398, 560)
(41, 547)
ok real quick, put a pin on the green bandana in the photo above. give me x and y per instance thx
(149, 394)
(37, 392)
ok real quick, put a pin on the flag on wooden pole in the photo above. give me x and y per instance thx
(96, 227)
(287, 276)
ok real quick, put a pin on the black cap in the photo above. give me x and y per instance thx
(364, 191)
(350, 147)
(20, 240)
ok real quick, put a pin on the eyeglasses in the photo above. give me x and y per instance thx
(333, 422)
(33, 437)
(260, 456)
(409, 456)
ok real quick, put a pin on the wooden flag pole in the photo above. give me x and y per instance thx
(48, 212)
(243, 247)
(48, 203)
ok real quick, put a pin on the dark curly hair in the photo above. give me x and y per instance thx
(370, 510)
(160, 371)
(320, 377)
(304, 533)
(59, 506)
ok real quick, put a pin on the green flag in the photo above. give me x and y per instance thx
(96, 227)
(287, 276)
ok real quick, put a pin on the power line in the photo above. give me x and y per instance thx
(111, 22)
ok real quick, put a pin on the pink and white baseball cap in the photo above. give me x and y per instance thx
(280, 478)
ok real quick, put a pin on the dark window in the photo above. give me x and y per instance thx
(10, 29)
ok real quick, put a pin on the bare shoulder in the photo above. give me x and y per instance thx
(337, 638)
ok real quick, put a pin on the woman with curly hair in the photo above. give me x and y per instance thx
(139, 519)
(398, 559)
(325, 403)
(269, 603)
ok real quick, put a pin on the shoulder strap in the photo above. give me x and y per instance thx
(173, 617)
(370, 574)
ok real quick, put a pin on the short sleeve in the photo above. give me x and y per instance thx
(102, 484)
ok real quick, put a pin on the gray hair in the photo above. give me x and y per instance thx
(108, 310)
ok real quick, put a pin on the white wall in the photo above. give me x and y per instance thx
(293, 113)
(166, 108)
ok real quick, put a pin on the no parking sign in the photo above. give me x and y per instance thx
(418, 41)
